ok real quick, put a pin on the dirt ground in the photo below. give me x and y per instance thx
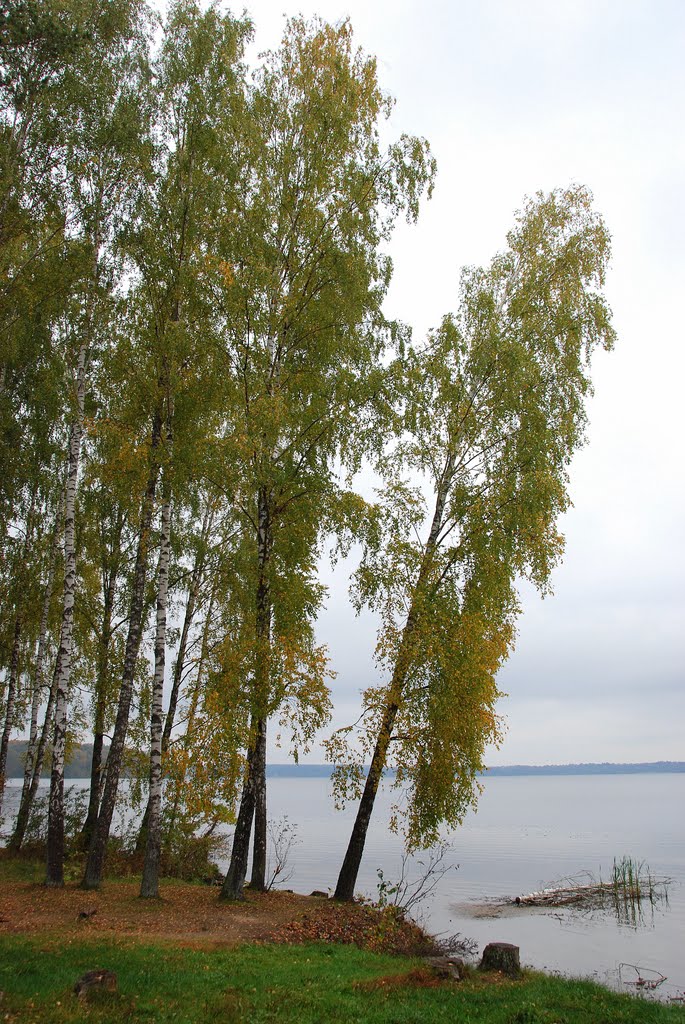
(192, 915)
(188, 914)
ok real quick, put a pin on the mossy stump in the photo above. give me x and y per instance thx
(94, 982)
(501, 956)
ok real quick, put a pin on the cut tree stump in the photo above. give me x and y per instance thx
(501, 956)
(95, 981)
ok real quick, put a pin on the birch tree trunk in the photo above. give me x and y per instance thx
(258, 877)
(27, 799)
(13, 677)
(110, 577)
(98, 845)
(232, 888)
(253, 796)
(10, 704)
(179, 665)
(38, 681)
(347, 879)
(193, 594)
(36, 699)
(263, 680)
(55, 841)
(150, 882)
(204, 651)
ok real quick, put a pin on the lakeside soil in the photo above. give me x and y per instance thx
(184, 914)
(192, 915)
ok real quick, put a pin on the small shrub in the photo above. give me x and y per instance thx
(75, 804)
(193, 858)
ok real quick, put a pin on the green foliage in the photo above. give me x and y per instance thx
(182, 247)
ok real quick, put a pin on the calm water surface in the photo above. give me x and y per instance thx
(527, 832)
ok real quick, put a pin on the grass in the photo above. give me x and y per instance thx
(21, 867)
(298, 984)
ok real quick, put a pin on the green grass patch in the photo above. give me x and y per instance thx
(21, 867)
(307, 984)
(30, 866)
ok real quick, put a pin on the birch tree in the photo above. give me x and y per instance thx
(105, 543)
(36, 741)
(301, 286)
(494, 408)
(38, 46)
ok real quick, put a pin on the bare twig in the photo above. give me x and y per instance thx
(282, 837)
(407, 893)
(646, 984)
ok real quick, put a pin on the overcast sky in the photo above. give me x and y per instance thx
(516, 96)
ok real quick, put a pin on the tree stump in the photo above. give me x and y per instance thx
(95, 981)
(449, 968)
(501, 956)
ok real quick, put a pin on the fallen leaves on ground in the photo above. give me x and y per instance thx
(193, 915)
(383, 931)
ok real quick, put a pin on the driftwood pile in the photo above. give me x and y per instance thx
(631, 882)
(571, 892)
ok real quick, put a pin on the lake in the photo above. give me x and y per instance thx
(527, 832)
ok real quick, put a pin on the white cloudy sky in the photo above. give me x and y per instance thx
(516, 96)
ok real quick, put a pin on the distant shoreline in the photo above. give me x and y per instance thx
(603, 768)
(591, 768)
(79, 767)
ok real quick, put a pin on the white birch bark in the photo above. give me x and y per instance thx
(192, 711)
(110, 573)
(193, 593)
(13, 679)
(9, 706)
(150, 881)
(41, 665)
(253, 795)
(98, 845)
(179, 666)
(27, 803)
(55, 851)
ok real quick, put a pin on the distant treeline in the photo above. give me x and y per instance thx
(78, 766)
(604, 768)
